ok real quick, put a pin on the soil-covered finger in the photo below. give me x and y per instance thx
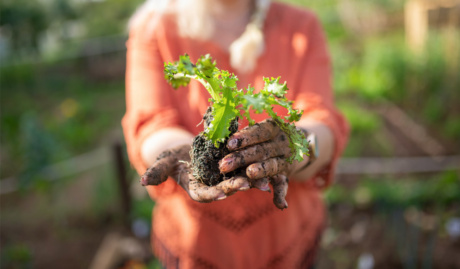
(203, 193)
(183, 176)
(230, 186)
(280, 187)
(261, 184)
(267, 168)
(158, 172)
(256, 153)
(164, 166)
(258, 133)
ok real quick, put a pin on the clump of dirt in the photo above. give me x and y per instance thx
(205, 156)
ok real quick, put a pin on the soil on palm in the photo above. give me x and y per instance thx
(205, 156)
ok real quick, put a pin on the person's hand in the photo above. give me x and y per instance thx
(174, 163)
(263, 149)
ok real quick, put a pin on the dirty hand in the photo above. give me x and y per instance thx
(174, 163)
(263, 149)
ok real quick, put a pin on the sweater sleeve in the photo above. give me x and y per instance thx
(149, 102)
(315, 96)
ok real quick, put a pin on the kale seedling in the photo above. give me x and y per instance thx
(227, 104)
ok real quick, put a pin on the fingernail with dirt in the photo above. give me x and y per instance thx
(244, 187)
(225, 165)
(232, 144)
(265, 187)
(251, 172)
(144, 181)
(221, 197)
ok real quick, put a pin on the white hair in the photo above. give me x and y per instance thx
(195, 21)
(246, 49)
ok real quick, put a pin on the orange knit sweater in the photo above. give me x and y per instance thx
(246, 230)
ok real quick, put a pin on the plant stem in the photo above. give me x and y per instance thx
(210, 84)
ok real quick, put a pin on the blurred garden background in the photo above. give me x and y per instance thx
(396, 200)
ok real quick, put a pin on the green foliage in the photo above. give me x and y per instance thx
(337, 194)
(39, 149)
(40, 29)
(110, 17)
(440, 190)
(371, 77)
(367, 137)
(142, 208)
(64, 108)
(104, 192)
(361, 119)
(228, 101)
(385, 69)
(16, 256)
(223, 112)
(18, 75)
(154, 264)
(379, 66)
(23, 21)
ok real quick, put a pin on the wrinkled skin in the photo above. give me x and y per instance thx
(173, 163)
(262, 149)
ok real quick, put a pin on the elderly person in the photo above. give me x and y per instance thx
(253, 39)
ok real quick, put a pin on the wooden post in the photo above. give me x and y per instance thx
(416, 20)
(122, 182)
(416, 24)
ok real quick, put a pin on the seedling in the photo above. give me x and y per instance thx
(227, 105)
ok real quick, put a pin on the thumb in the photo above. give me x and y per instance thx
(164, 166)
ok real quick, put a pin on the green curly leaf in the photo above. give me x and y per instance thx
(273, 86)
(227, 101)
(223, 113)
(255, 101)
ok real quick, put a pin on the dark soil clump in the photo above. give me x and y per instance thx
(205, 156)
